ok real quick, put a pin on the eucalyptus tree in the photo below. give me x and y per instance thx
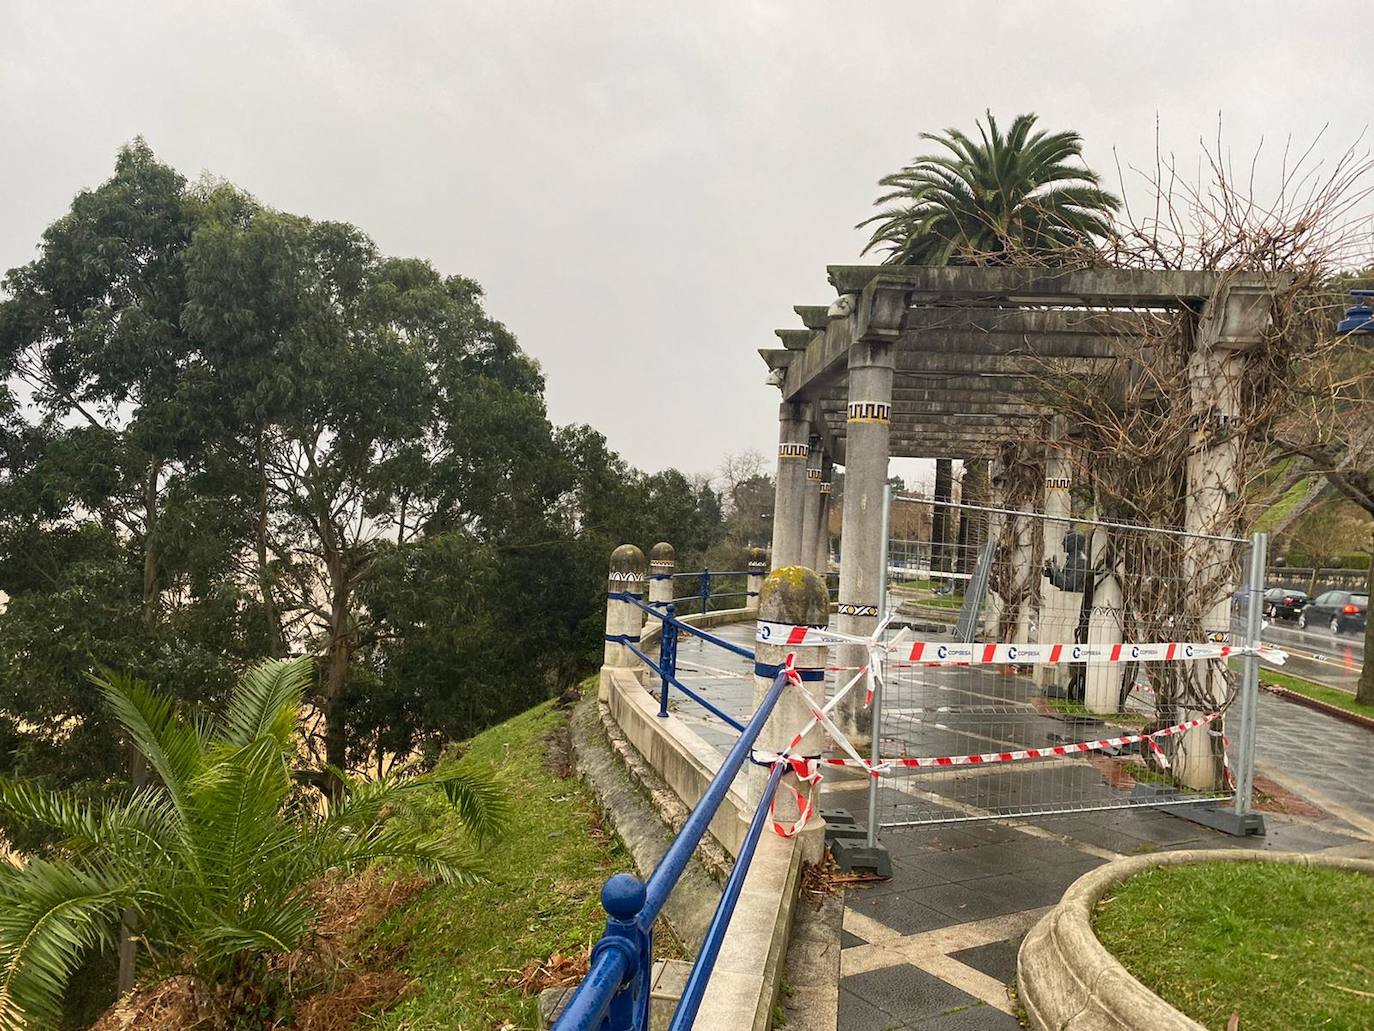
(1023, 195)
(115, 545)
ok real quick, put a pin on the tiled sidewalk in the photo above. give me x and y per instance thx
(934, 948)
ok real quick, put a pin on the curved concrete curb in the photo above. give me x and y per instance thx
(1068, 981)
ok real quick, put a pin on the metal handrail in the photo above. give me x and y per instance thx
(614, 995)
(675, 621)
(695, 990)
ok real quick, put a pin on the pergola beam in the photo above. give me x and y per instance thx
(1099, 287)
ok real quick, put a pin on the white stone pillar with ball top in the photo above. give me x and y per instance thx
(794, 431)
(757, 568)
(791, 596)
(624, 619)
(662, 565)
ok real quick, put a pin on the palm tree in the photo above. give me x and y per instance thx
(215, 861)
(1025, 195)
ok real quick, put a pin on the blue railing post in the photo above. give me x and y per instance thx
(623, 897)
(667, 658)
(705, 589)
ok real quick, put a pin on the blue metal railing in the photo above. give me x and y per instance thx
(614, 995)
(706, 580)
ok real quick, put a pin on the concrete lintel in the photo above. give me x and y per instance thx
(813, 316)
(1126, 287)
(958, 342)
(824, 359)
(1018, 321)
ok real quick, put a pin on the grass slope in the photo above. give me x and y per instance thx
(1285, 946)
(465, 945)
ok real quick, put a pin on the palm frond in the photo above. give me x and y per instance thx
(482, 805)
(51, 916)
(172, 746)
(236, 823)
(267, 701)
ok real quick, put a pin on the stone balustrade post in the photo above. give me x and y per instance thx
(624, 619)
(758, 569)
(662, 565)
(791, 596)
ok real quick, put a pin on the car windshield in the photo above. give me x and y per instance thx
(1360, 599)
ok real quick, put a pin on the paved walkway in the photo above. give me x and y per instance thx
(934, 948)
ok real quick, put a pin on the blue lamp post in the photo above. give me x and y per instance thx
(1359, 317)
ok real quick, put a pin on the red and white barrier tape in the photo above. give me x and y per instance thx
(944, 653)
(808, 770)
(988, 758)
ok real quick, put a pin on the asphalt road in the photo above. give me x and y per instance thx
(1318, 655)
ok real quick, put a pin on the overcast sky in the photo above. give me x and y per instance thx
(644, 190)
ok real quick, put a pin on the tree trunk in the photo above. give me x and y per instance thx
(336, 678)
(1365, 691)
(138, 769)
(276, 640)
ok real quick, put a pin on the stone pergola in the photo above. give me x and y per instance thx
(927, 362)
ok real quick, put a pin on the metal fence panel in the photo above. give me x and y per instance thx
(1103, 588)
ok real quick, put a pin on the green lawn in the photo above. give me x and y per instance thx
(1330, 695)
(1285, 946)
(465, 945)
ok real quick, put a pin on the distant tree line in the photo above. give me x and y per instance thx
(229, 433)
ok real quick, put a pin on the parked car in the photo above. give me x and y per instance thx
(1284, 602)
(1339, 610)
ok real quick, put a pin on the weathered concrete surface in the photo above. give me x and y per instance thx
(750, 965)
(642, 809)
(1069, 982)
(813, 965)
(677, 754)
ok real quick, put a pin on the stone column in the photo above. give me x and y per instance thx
(823, 522)
(758, 569)
(1102, 692)
(811, 508)
(624, 619)
(868, 431)
(973, 525)
(1231, 323)
(791, 596)
(662, 565)
(1059, 609)
(1001, 578)
(940, 517)
(790, 485)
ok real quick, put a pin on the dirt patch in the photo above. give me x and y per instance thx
(339, 1008)
(558, 971)
(177, 1002)
(559, 758)
(1271, 798)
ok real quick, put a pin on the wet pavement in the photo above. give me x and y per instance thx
(935, 946)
